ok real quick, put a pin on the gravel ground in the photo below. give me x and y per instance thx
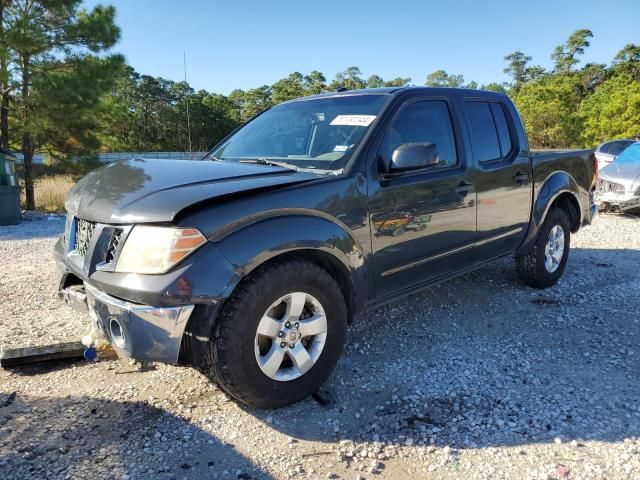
(479, 377)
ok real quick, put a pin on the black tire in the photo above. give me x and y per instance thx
(531, 266)
(232, 362)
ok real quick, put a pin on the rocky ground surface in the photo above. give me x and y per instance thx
(477, 378)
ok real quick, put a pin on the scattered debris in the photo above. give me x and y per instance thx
(13, 357)
(545, 301)
(9, 400)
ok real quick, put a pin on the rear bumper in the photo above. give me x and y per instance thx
(590, 215)
(138, 331)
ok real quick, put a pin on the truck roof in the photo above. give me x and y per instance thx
(445, 91)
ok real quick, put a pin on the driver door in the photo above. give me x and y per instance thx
(423, 219)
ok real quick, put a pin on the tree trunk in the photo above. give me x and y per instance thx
(27, 151)
(27, 144)
(4, 119)
(4, 83)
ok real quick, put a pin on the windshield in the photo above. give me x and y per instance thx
(630, 155)
(319, 134)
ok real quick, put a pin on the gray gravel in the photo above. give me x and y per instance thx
(479, 377)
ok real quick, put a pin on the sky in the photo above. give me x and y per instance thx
(248, 43)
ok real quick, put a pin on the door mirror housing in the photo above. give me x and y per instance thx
(411, 156)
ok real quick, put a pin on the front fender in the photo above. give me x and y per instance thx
(250, 242)
(256, 243)
(552, 187)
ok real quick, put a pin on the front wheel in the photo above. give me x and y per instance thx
(279, 336)
(543, 265)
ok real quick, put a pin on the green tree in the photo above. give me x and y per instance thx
(375, 81)
(494, 87)
(256, 100)
(440, 78)
(565, 55)
(627, 60)
(287, 88)
(5, 86)
(548, 109)
(49, 41)
(612, 111)
(397, 82)
(590, 76)
(517, 68)
(351, 79)
(315, 83)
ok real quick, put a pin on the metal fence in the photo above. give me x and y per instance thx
(115, 156)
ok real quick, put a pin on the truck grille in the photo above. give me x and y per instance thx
(605, 186)
(112, 248)
(84, 232)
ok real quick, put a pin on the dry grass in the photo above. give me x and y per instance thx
(50, 192)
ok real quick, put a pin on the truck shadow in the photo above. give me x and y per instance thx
(109, 439)
(482, 361)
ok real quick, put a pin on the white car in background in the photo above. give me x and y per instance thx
(619, 182)
(607, 151)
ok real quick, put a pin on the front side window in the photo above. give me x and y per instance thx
(318, 133)
(422, 122)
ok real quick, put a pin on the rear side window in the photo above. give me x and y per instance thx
(605, 147)
(491, 137)
(616, 148)
(484, 136)
(503, 129)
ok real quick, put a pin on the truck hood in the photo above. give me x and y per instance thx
(627, 174)
(154, 190)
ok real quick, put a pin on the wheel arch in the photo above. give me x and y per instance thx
(326, 243)
(558, 190)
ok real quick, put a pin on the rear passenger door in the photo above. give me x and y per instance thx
(503, 176)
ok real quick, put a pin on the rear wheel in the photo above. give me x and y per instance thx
(279, 336)
(543, 265)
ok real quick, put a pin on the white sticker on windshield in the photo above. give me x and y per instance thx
(355, 120)
(340, 148)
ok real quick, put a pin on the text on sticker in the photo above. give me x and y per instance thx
(355, 120)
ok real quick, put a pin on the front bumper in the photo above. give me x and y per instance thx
(138, 331)
(156, 314)
(620, 201)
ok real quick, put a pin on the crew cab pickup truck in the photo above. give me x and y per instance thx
(251, 263)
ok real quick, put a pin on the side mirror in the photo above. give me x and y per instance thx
(411, 156)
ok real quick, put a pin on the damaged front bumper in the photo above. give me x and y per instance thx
(138, 331)
(163, 318)
(135, 331)
(618, 202)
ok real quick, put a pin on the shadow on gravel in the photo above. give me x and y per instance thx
(82, 437)
(496, 364)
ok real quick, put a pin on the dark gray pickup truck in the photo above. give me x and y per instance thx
(250, 263)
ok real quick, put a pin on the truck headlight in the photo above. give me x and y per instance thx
(157, 249)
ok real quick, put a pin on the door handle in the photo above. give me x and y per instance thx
(463, 188)
(520, 177)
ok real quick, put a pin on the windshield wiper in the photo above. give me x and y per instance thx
(266, 161)
(288, 166)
